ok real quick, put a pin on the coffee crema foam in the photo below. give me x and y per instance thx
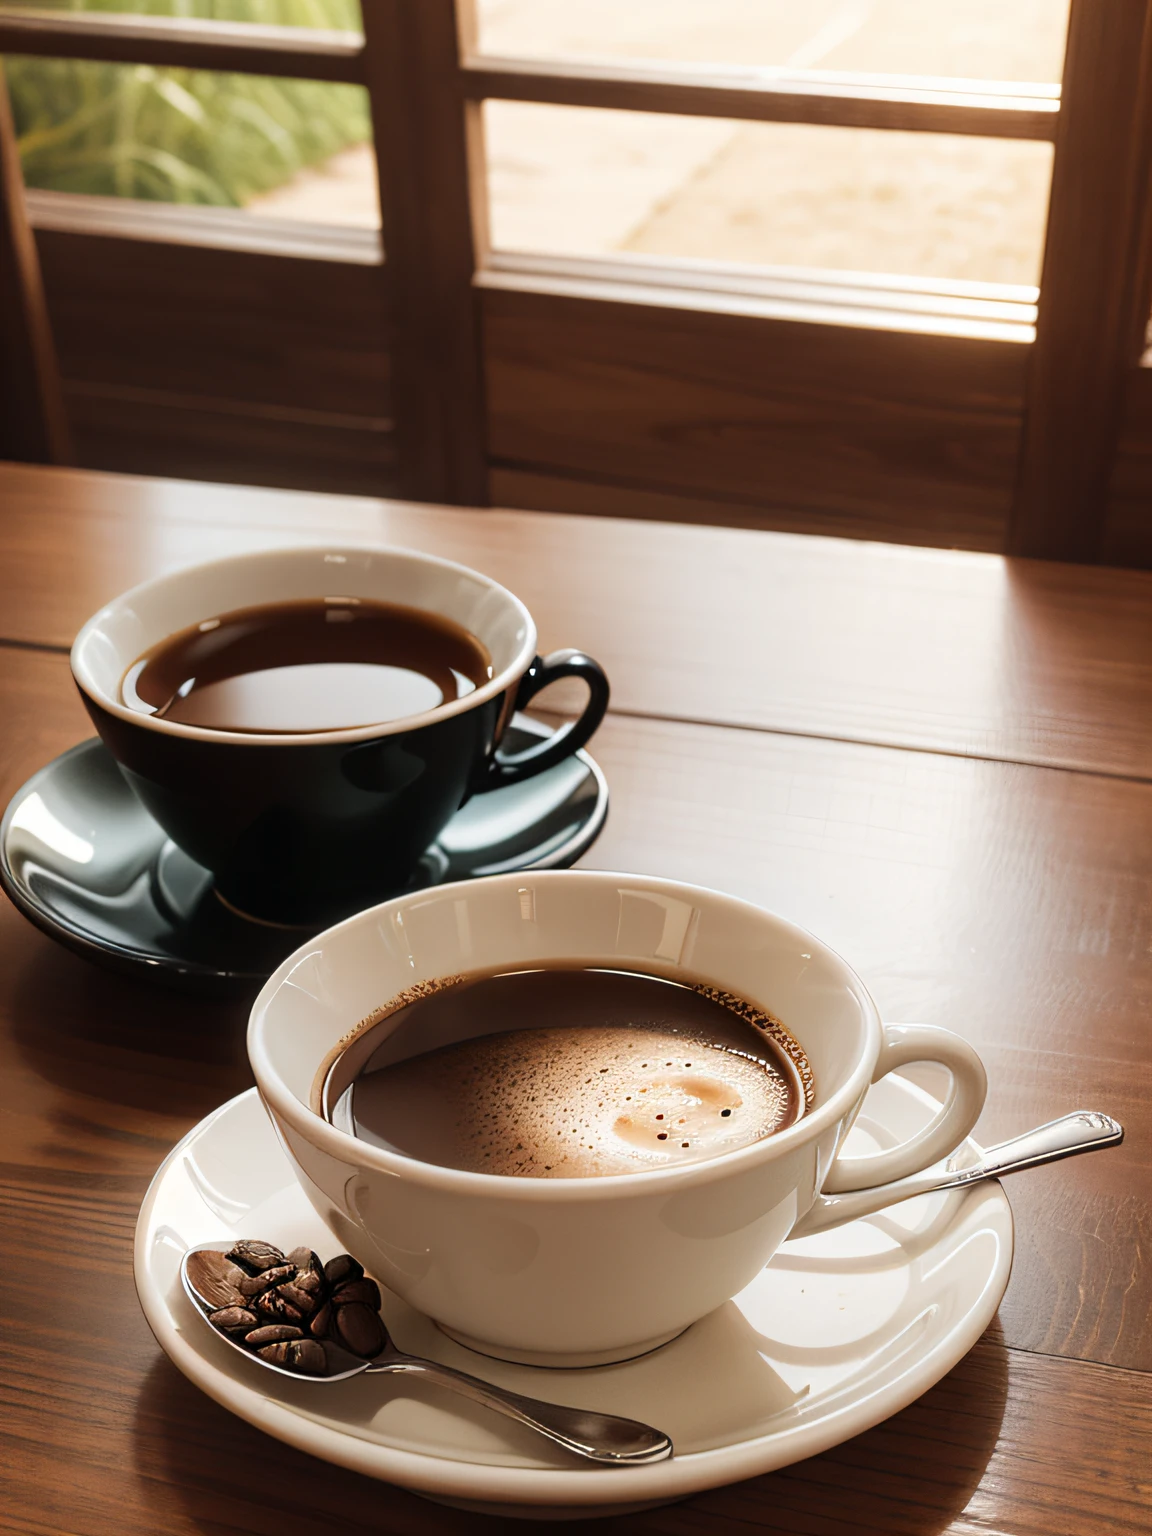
(618, 1072)
(542, 1103)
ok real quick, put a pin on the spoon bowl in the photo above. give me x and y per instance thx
(606, 1439)
(601, 1438)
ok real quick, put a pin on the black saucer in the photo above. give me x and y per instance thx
(83, 860)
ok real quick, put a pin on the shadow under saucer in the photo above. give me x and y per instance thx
(83, 860)
(840, 1331)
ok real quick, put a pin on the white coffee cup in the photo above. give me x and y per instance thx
(584, 1271)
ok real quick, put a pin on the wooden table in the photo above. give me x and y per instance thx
(941, 763)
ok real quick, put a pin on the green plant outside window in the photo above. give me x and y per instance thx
(182, 135)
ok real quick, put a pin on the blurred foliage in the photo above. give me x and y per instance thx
(182, 135)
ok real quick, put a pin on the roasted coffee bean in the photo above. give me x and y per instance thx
(273, 1333)
(254, 1256)
(301, 1300)
(364, 1290)
(309, 1358)
(253, 1285)
(215, 1279)
(342, 1267)
(305, 1356)
(273, 1305)
(360, 1330)
(306, 1262)
(233, 1319)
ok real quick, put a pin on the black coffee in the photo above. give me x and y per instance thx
(317, 664)
(566, 1073)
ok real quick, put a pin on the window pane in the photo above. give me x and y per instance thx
(336, 15)
(589, 182)
(297, 149)
(986, 39)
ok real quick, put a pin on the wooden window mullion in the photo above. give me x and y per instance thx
(33, 421)
(1091, 286)
(430, 158)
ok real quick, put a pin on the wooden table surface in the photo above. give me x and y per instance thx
(941, 763)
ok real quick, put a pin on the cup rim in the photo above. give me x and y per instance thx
(320, 1133)
(495, 686)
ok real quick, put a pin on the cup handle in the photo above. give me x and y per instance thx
(570, 737)
(860, 1185)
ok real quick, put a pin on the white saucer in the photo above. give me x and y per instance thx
(840, 1331)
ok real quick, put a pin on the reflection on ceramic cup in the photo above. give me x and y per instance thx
(744, 1391)
(85, 862)
(588, 1270)
(300, 827)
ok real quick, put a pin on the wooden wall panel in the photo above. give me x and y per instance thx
(33, 424)
(157, 432)
(1128, 527)
(1093, 286)
(180, 357)
(236, 324)
(860, 432)
(433, 201)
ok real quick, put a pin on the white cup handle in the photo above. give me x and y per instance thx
(871, 1178)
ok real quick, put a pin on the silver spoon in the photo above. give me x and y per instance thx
(1083, 1131)
(599, 1437)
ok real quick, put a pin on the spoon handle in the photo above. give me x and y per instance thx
(1083, 1131)
(598, 1437)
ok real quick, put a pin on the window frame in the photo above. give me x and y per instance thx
(1035, 412)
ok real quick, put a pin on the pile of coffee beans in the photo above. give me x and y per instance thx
(284, 1307)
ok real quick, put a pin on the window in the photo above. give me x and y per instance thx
(195, 136)
(844, 267)
(978, 39)
(578, 180)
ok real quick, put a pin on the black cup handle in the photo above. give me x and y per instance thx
(570, 737)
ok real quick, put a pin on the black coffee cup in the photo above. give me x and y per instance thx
(306, 828)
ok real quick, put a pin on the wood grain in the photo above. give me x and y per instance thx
(170, 316)
(33, 421)
(906, 861)
(566, 491)
(117, 1439)
(865, 425)
(176, 358)
(911, 103)
(1013, 904)
(928, 1469)
(898, 424)
(1128, 527)
(964, 653)
(429, 154)
(1093, 282)
(882, 430)
(155, 431)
